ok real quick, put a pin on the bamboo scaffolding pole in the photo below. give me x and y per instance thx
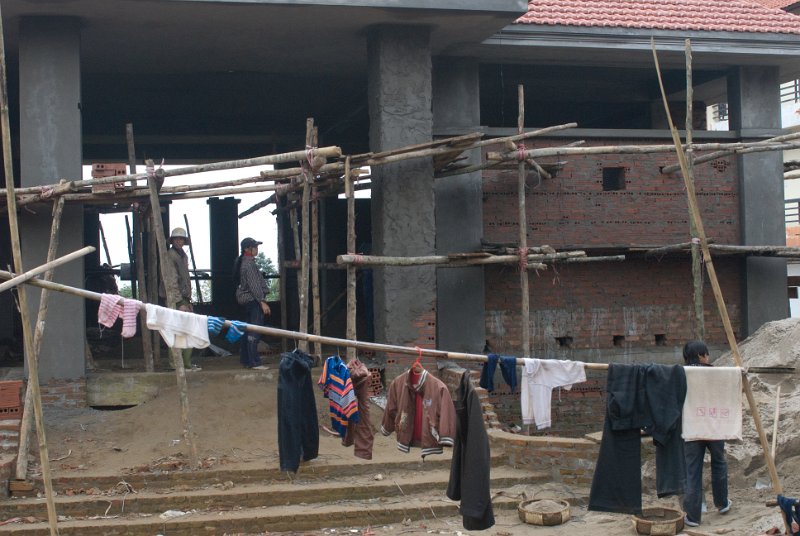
(523, 234)
(352, 304)
(725, 152)
(302, 286)
(282, 158)
(170, 279)
(22, 295)
(775, 419)
(194, 264)
(129, 236)
(105, 244)
(697, 268)
(738, 148)
(152, 275)
(138, 260)
(766, 251)
(712, 274)
(38, 336)
(30, 274)
(307, 337)
(281, 219)
(315, 234)
(445, 260)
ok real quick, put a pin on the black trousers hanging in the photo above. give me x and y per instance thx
(298, 428)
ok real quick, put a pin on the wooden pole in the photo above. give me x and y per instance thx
(130, 237)
(775, 421)
(352, 304)
(523, 234)
(152, 274)
(105, 244)
(194, 264)
(315, 235)
(134, 237)
(30, 274)
(44, 301)
(33, 361)
(697, 268)
(170, 279)
(735, 147)
(738, 148)
(777, 487)
(302, 286)
(308, 337)
(446, 261)
(138, 252)
(281, 218)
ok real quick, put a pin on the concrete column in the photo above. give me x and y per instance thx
(50, 149)
(403, 224)
(460, 321)
(754, 105)
(223, 219)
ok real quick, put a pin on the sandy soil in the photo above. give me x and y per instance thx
(235, 425)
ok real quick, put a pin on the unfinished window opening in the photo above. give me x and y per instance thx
(619, 340)
(613, 179)
(661, 339)
(564, 342)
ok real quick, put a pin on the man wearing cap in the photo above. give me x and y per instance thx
(251, 291)
(180, 262)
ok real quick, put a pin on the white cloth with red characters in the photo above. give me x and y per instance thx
(713, 406)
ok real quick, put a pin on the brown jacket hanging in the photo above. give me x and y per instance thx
(438, 413)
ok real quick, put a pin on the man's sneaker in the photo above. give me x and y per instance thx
(689, 522)
(727, 508)
(193, 368)
(260, 367)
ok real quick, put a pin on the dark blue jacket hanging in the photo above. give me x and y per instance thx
(640, 397)
(298, 428)
(469, 470)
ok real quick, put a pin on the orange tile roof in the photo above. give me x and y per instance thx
(679, 15)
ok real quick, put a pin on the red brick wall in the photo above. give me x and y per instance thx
(573, 210)
(64, 393)
(592, 303)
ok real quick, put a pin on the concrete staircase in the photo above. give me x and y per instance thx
(9, 435)
(252, 501)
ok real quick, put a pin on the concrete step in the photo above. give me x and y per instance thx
(310, 471)
(10, 424)
(234, 495)
(357, 506)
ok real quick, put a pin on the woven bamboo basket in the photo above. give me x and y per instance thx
(659, 521)
(547, 519)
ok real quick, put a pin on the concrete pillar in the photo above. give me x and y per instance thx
(460, 324)
(223, 219)
(754, 105)
(399, 92)
(50, 149)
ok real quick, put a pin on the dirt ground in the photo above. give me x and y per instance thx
(235, 427)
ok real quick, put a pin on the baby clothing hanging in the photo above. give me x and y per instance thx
(338, 389)
(110, 310)
(437, 413)
(508, 367)
(539, 378)
(179, 329)
(360, 433)
(713, 407)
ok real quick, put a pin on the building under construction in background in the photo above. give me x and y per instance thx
(214, 81)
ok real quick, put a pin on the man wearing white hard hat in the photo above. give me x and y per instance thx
(180, 261)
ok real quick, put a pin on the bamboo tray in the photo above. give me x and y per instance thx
(659, 521)
(547, 519)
